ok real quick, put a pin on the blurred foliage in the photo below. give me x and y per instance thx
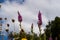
(53, 28)
(28, 36)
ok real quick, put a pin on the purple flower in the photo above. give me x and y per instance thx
(39, 19)
(50, 38)
(19, 17)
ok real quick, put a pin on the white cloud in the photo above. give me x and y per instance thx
(29, 11)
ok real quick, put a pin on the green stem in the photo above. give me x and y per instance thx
(20, 25)
(44, 36)
(40, 33)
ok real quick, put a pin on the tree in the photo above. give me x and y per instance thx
(53, 28)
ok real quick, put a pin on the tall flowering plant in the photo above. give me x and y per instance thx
(32, 31)
(19, 18)
(39, 19)
(39, 22)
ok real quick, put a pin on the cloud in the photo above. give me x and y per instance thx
(49, 8)
(29, 11)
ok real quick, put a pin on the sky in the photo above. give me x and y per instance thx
(29, 10)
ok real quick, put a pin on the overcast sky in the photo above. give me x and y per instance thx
(29, 10)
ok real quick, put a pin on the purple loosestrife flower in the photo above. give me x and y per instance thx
(39, 19)
(19, 17)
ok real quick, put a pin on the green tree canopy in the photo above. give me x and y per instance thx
(53, 27)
